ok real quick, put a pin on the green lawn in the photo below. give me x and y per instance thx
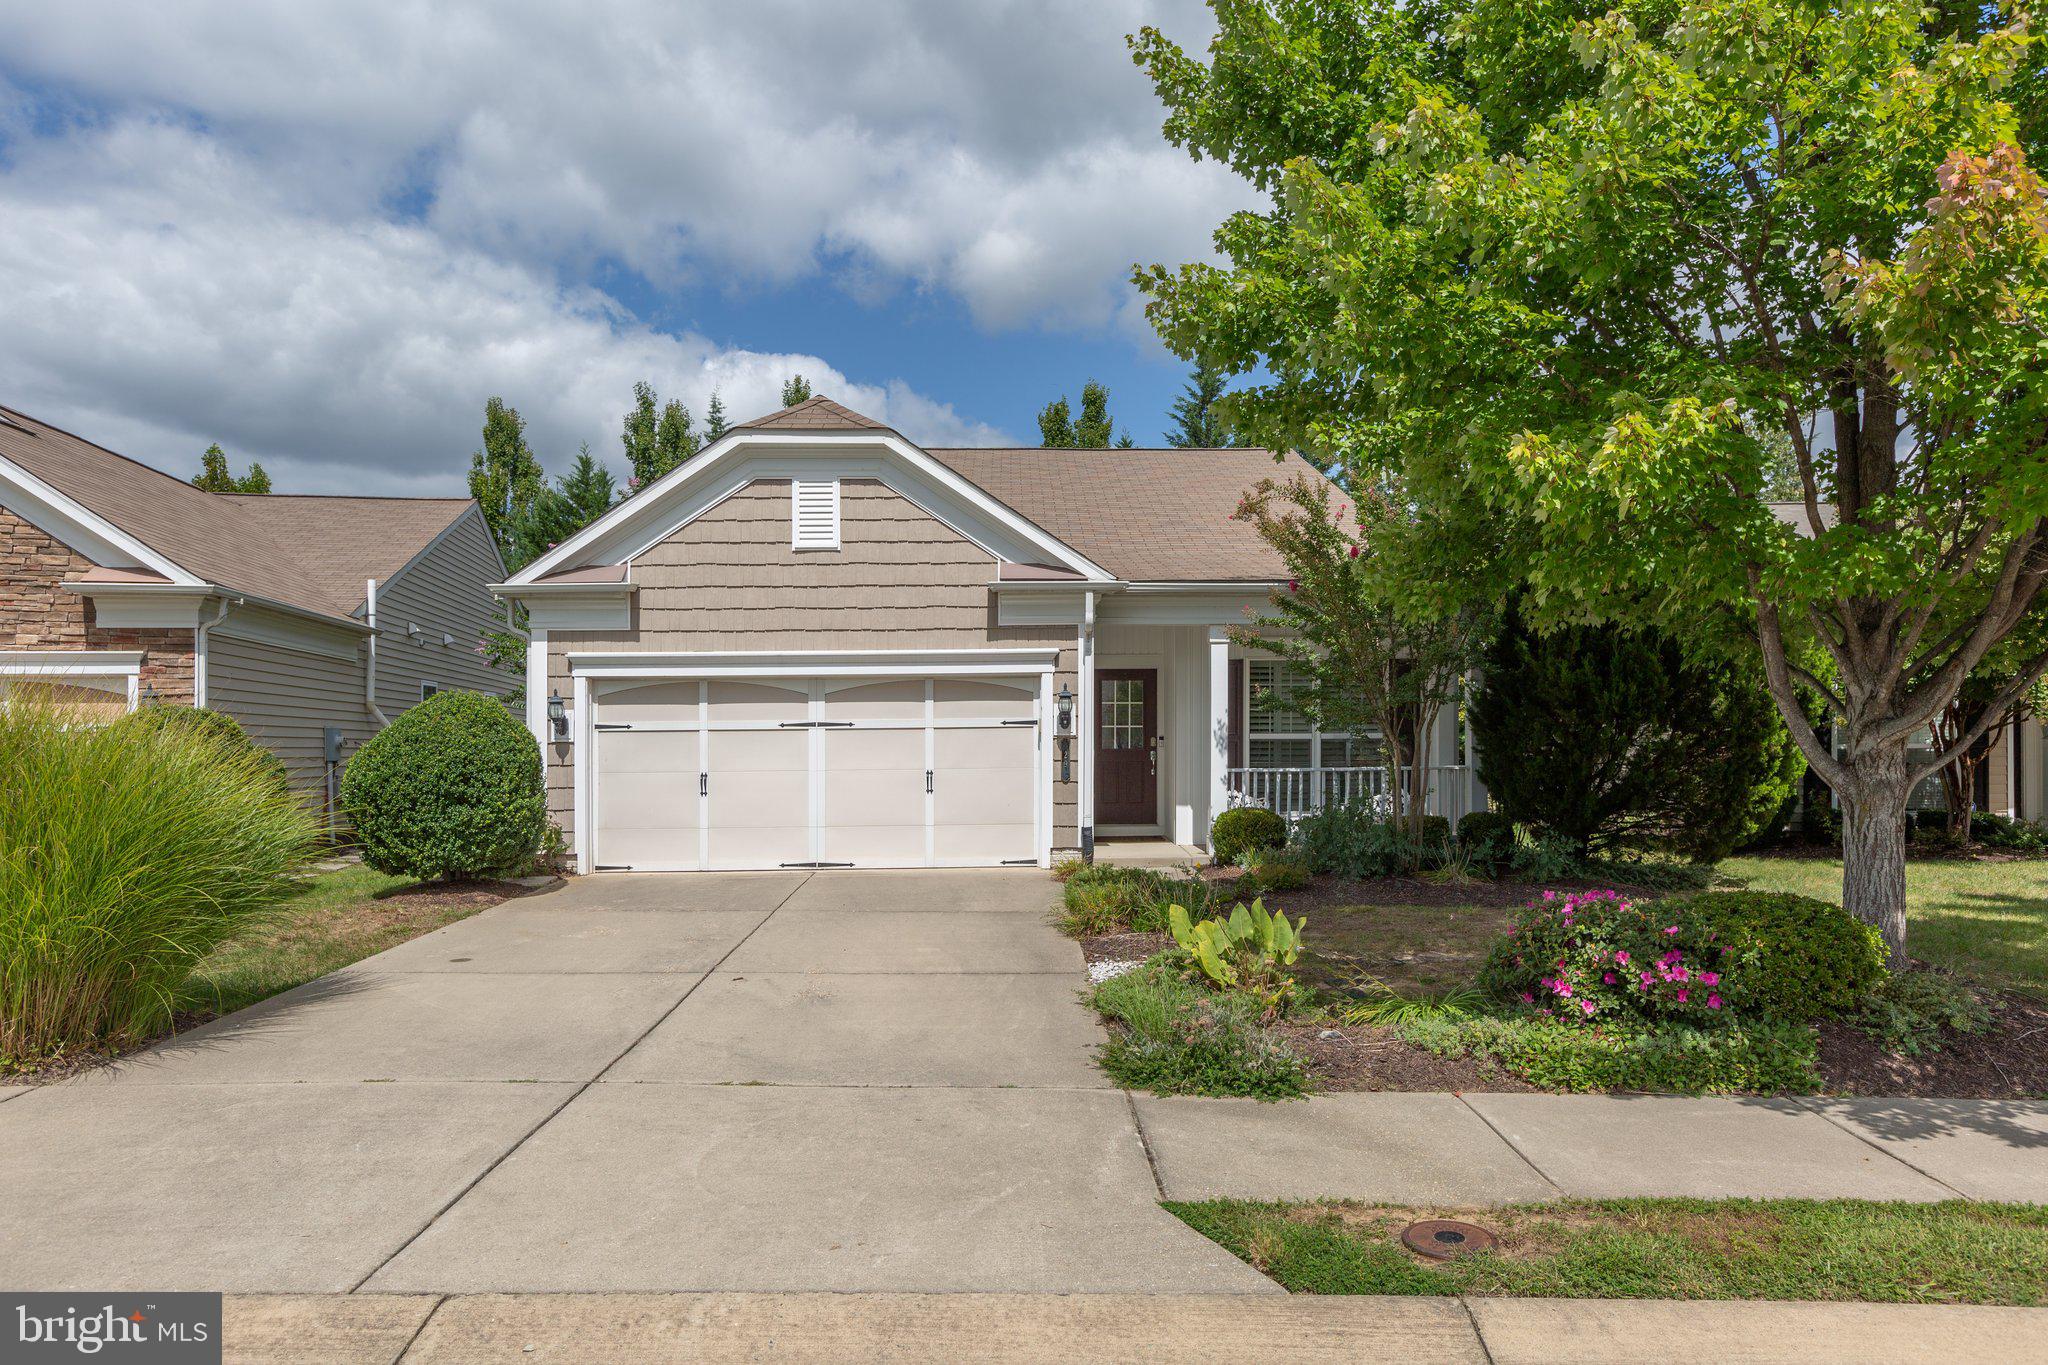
(339, 918)
(1656, 1248)
(1987, 920)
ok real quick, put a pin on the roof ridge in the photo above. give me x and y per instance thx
(104, 450)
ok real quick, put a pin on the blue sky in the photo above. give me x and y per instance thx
(322, 234)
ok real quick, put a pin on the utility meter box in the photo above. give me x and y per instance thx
(332, 736)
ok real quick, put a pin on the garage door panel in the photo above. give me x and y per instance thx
(758, 701)
(1005, 748)
(874, 751)
(983, 699)
(668, 703)
(739, 849)
(651, 849)
(647, 751)
(632, 800)
(974, 844)
(873, 845)
(889, 699)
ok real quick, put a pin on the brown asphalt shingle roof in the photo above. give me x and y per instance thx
(1147, 516)
(814, 414)
(313, 553)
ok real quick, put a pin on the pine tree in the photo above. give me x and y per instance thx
(714, 419)
(215, 477)
(504, 477)
(1196, 424)
(795, 389)
(578, 498)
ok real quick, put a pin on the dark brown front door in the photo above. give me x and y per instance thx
(1126, 746)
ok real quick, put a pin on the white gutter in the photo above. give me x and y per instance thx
(370, 664)
(199, 651)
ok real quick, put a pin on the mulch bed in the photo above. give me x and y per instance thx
(1327, 893)
(2007, 1061)
(1355, 1057)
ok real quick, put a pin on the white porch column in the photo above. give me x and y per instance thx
(537, 690)
(1084, 728)
(1219, 727)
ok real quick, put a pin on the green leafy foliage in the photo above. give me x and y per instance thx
(127, 853)
(1914, 1013)
(1245, 829)
(1783, 956)
(1488, 840)
(1355, 843)
(450, 789)
(505, 476)
(1251, 950)
(1595, 958)
(1576, 275)
(198, 725)
(1759, 1057)
(1100, 898)
(1273, 872)
(215, 477)
(1059, 429)
(1610, 738)
(1173, 1037)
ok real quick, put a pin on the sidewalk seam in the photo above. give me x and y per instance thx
(1478, 1332)
(550, 1116)
(1145, 1144)
(1541, 1174)
(413, 1340)
(1864, 1138)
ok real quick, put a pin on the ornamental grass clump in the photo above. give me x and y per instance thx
(1597, 957)
(127, 854)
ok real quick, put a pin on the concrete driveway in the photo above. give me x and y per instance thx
(803, 1081)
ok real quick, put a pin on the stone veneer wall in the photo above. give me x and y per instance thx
(35, 613)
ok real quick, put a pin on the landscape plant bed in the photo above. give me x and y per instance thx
(2009, 1060)
(342, 917)
(1325, 893)
(1834, 1250)
(1355, 1057)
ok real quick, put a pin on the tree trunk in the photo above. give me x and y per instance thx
(1874, 845)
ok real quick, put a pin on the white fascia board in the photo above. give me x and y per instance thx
(84, 530)
(143, 606)
(856, 663)
(699, 483)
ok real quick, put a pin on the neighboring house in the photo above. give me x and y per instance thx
(818, 644)
(2011, 779)
(311, 620)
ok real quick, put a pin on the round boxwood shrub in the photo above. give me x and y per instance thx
(450, 789)
(1486, 828)
(1786, 957)
(1246, 829)
(218, 727)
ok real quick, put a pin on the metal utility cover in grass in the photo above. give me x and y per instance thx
(1442, 1238)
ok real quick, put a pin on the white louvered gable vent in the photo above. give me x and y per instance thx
(814, 515)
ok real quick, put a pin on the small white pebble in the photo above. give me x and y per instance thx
(1099, 972)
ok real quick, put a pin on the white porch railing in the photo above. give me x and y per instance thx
(1295, 792)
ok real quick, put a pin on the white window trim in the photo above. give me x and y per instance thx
(77, 663)
(428, 688)
(820, 529)
(1309, 732)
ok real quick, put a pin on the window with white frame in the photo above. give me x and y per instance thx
(1279, 736)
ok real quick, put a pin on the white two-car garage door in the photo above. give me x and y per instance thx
(819, 772)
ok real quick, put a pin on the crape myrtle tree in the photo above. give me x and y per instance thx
(1365, 658)
(1566, 264)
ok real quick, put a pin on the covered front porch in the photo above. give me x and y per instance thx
(1170, 734)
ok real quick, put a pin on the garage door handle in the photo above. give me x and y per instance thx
(817, 725)
(927, 781)
(703, 784)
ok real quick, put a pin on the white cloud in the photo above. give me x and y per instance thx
(160, 298)
(1005, 150)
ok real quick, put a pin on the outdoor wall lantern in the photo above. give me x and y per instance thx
(1063, 725)
(558, 717)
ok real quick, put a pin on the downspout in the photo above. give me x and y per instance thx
(199, 650)
(370, 665)
(1084, 729)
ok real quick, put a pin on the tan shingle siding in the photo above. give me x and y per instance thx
(902, 580)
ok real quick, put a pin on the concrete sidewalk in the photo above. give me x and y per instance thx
(1109, 1327)
(1440, 1149)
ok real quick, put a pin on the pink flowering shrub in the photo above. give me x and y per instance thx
(1595, 957)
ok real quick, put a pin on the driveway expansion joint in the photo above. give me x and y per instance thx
(1512, 1146)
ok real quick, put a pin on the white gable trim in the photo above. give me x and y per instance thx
(84, 530)
(740, 458)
